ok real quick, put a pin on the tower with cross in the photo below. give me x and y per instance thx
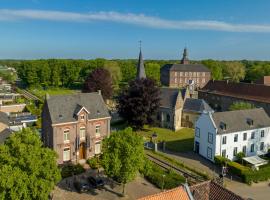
(140, 67)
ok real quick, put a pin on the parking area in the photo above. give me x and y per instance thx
(135, 189)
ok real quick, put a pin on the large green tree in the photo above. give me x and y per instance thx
(123, 155)
(115, 71)
(152, 70)
(234, 71)
(27, 170)
(138, 103)
(215, 67)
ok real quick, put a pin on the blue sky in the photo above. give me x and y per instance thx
(217, 29)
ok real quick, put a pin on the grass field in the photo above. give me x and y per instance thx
(52, 91)
(179, 141)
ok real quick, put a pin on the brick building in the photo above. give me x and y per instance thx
(74, 125)
(265, 80)
(184, 74)
(221, 94)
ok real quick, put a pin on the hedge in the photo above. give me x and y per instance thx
(154, 174)
(70, 169)
(93, 162)
(247, 174)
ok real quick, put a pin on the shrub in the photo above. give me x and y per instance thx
(70, 169)
(93, 162)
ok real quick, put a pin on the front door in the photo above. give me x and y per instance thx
(197, 147)
(82, 151)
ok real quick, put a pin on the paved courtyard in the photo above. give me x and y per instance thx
(136, 189)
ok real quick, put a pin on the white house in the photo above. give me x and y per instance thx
(231, 132)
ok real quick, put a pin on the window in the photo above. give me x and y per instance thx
(82, 132)
(66, 136)
(181, 73)
(175, 80)
(181, 80)
(203, 73)
(198, 80)
(197, 132)
(224, 153)
(262, 133)
(210, 138)
(186, 73)
(82, 117)
(235, 138)
(252, 135)
(66, 154)
(203, 80)
(252, 148)
(244, 149)
(98, 130)
(234, 151)
(168, 118)
(209, 153)
(190, 73)
(224, 139)
(198, 73)
(245, 136)
(262, 146)
(194, 73)
(175, 73)
(97, 148)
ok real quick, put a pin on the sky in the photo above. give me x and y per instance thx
(112, 29)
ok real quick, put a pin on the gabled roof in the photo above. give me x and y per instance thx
(178, 193)
(209, 190)
(196, 105)
(237, 120)
(168, 96)
(186, 67)
(63, 108)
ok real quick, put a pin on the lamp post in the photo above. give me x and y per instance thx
(163, 177)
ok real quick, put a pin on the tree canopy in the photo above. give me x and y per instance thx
(241, 106)
(138, 103)
(27, 170)
(123, 155)
(99, 79)
(234, 71)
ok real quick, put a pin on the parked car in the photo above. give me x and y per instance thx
(96, 182)
(81, 186)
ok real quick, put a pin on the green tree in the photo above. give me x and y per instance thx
(115, 71)
(215, 67)
(27, 170)
(234, 71)
(241, 106)
(152, 70)
(123, 156)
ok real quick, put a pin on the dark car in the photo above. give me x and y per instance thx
(96, 182)
(81, 186)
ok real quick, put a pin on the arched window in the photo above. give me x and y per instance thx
(82, 132)
(66, 136)
(168, 118)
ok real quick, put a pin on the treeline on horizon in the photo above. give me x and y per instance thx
(71, 72)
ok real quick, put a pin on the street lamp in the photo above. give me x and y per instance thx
(163, 177)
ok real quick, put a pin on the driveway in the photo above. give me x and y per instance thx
(257, 191)
(135, 189)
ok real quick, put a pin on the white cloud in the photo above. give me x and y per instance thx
(130, 18)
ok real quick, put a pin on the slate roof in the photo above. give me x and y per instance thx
(209, 190)
(178, 193)
(63, 108)
(186, 67)
(140, 67)
(168, 96)
(237, 120)
(4, 118)
(196, 105)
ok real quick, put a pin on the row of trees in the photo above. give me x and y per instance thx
(64, 73)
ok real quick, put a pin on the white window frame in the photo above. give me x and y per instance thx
(261, 146)
(82, 133)
(66, 135)
(235, 152)
(262, 133)
(223, 150)
(97, 130)
(210, 138)
(66, 154)
(197, 132)
(235, 136)
(224, 138)
(252, 149)
(97, 148)
(209, 152)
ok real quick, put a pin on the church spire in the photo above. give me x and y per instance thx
(185, 59)
(140, 67)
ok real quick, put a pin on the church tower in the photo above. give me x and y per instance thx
(185, 59)
(140, 66)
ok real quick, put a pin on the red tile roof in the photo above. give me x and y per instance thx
(178, 193)
(248, 91)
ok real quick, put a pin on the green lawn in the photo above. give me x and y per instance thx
(52, 91)
(179, 141)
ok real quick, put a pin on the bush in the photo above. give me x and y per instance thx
(93, 162)
(154, 174)
(70, 169)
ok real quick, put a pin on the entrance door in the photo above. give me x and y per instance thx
(197, 147)
(82, 151)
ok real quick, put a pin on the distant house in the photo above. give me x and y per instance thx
(75, 125)
(184, 74)
(221, 94)
(265, 80)
(228, 133)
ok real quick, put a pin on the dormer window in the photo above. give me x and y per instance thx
(250, 122)
(82, 117)
(223, 126)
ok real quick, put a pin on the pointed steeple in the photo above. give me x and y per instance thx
(140, 66)
(185, 59)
